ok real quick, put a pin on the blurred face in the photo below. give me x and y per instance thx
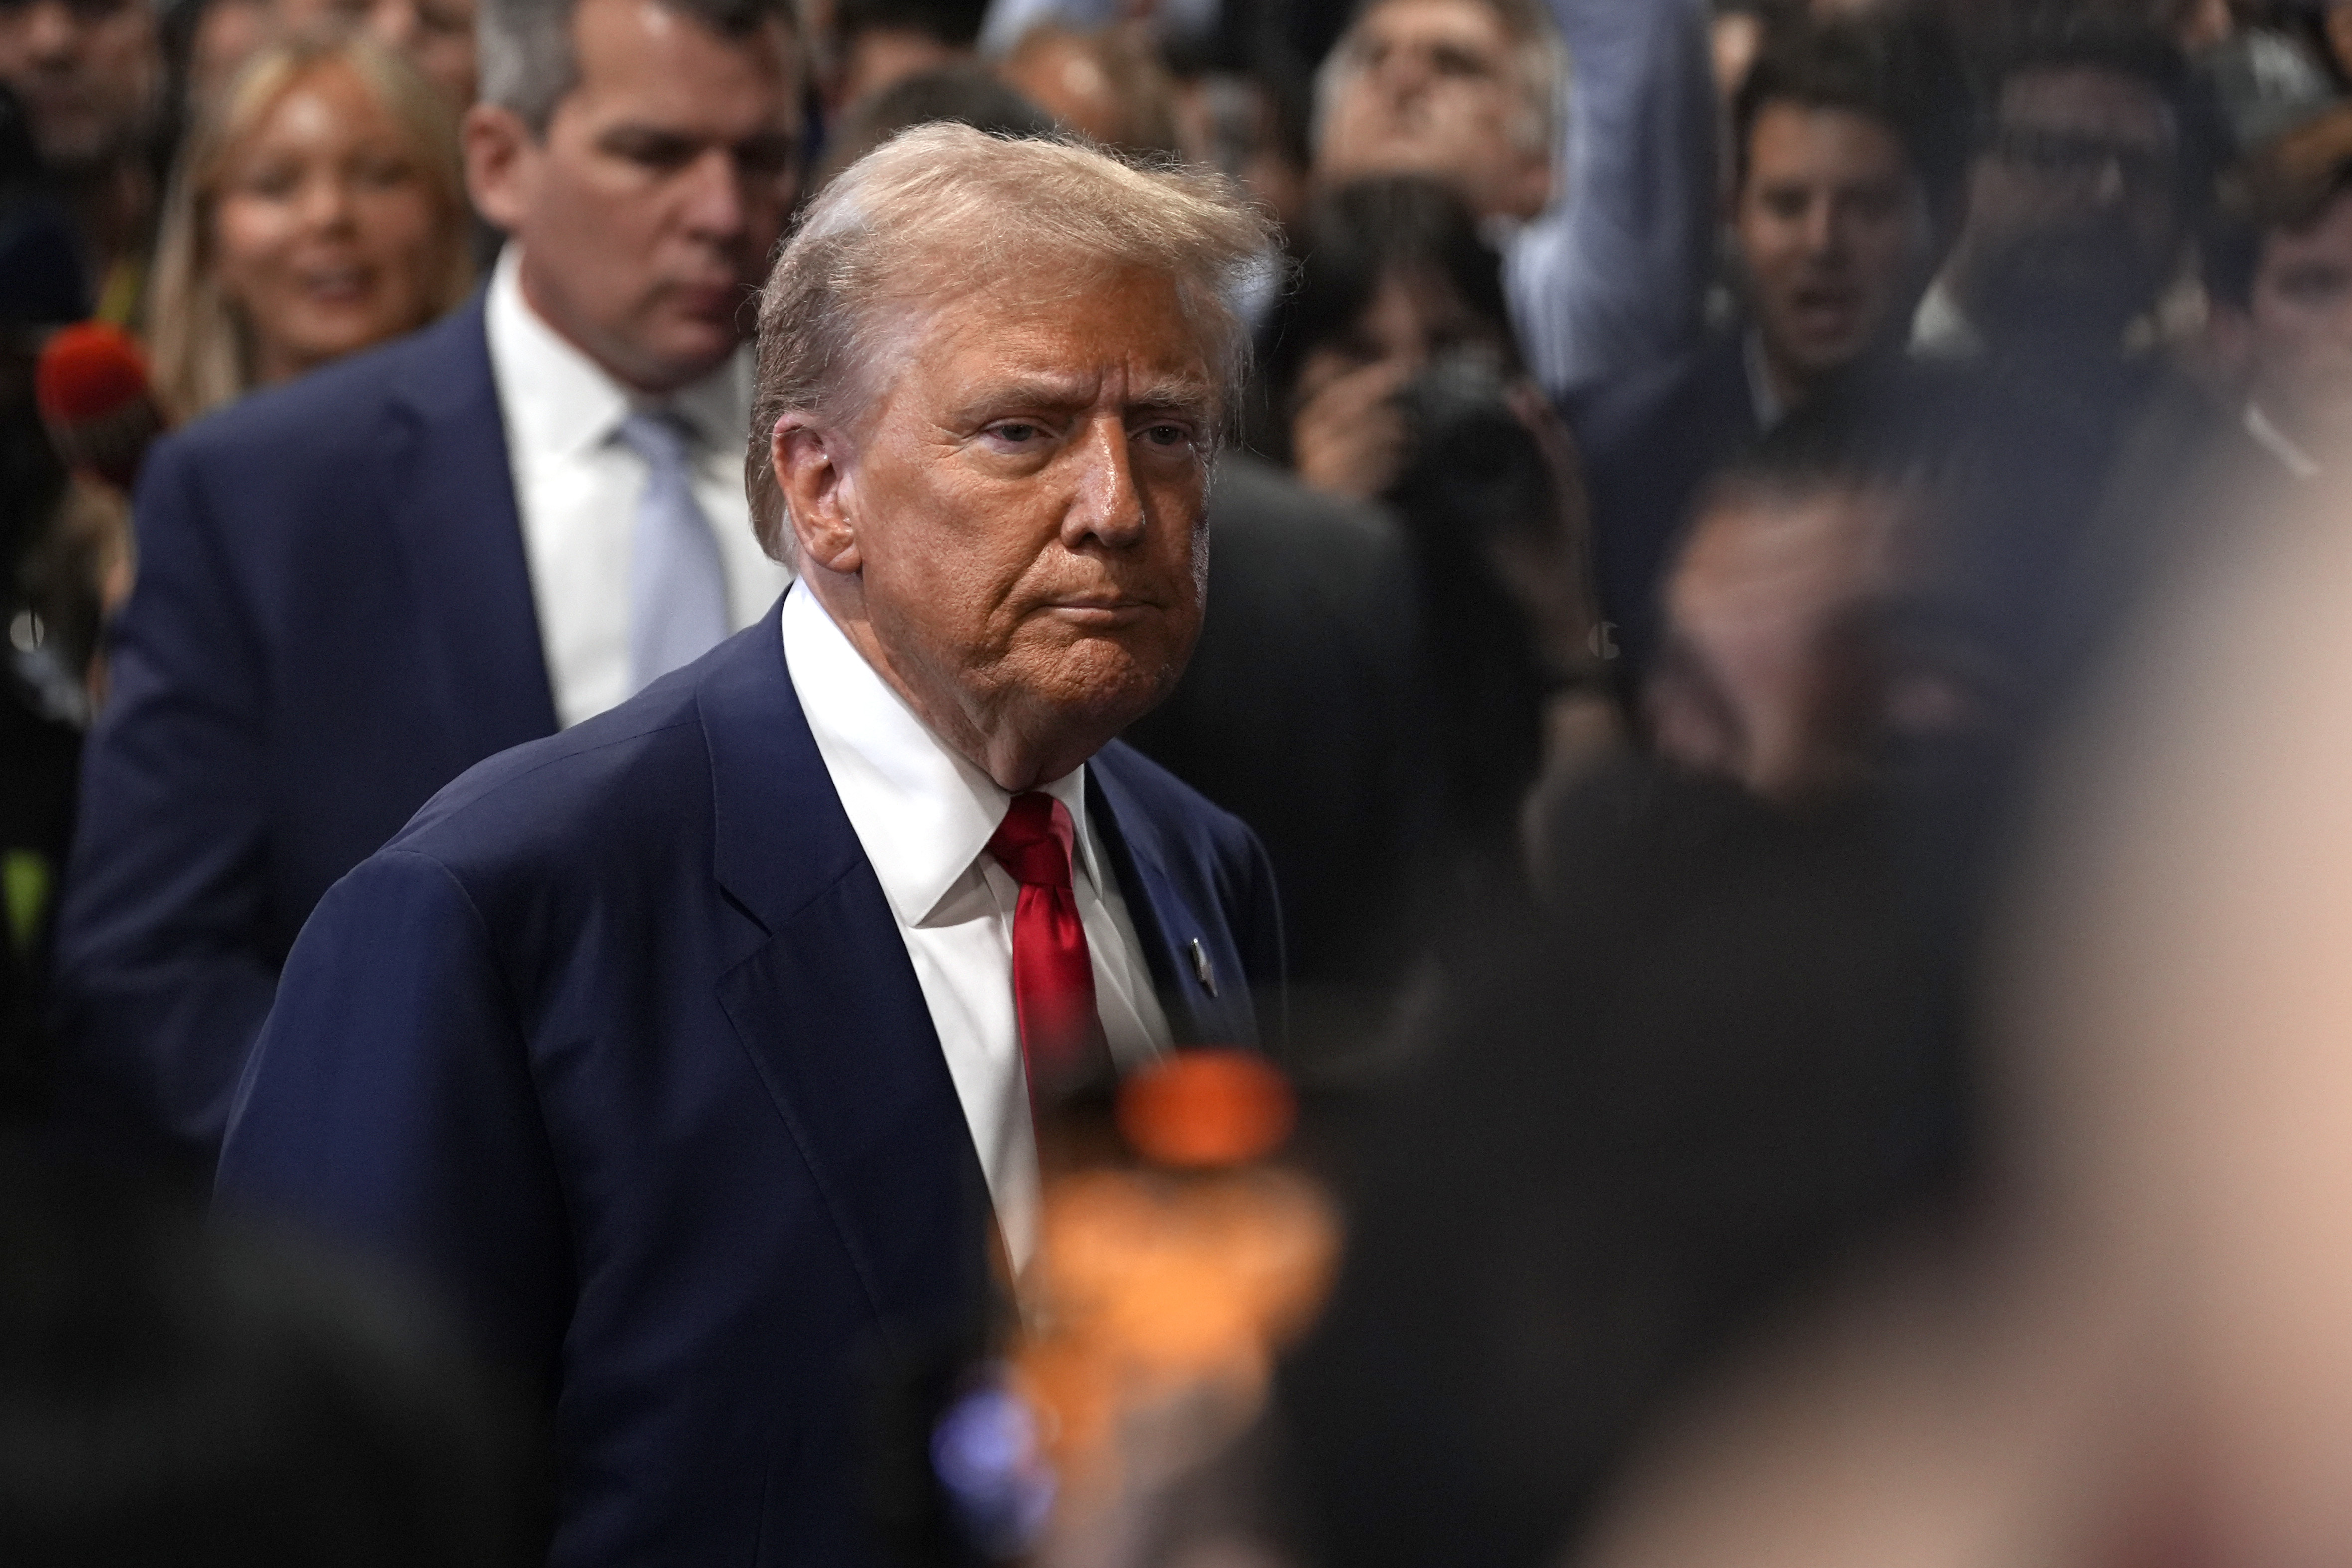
(646, 211)
(89, 72)
(228, 35)
(1412, 318)
(2073, 225)
(2338, 26)
(438, 36)
(1348, 431)
(1012, 534)
(1835, 236)
(1770, 670)
(327, 236)
(2201, 25)
(1063, 75)
(879, 58)
(1429, 87)
(2299, 327)
(1229, 123)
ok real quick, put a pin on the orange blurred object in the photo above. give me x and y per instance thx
(1160, 1294)
(1154, 1291)
(1203, 1109)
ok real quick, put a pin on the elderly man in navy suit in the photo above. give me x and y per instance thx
(693, 1049)
(353, 588)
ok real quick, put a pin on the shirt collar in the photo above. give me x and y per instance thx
(1941, 328)
(1769, 409)
(2278, 443)
(573, 406)
(923, 814)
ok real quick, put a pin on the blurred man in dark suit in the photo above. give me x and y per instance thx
(1302, 714)
(2094, 172)
(2280, 275)
(690, 1050)
(1849, 143)
(2088, 180)
(351, 589)
(89, 75)
(2201, 469)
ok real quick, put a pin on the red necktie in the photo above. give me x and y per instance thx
(1052, 979)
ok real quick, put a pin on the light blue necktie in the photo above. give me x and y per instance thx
(677, 582)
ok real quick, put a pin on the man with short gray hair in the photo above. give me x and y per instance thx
(354, 588)
(698, 1051)
(1602, 200)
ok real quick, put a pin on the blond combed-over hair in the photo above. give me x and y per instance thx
(195, 338)
(944, 209)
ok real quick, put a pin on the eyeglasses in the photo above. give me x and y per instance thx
(2064, 158)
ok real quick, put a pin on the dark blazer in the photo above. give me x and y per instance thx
(1302, 714)
(1648, 447)
(619, 1044)
(332, 619)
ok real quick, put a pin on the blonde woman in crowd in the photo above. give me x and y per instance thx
(317, 209)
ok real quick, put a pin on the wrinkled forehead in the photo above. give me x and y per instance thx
(1795, 142)
(1069, 322)
(2089, 100)
(648, 62)
(1797, 546)
(1467, 27)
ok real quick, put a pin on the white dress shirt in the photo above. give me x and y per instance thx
(1940, 329)
(1769, 410)
(2279, 443)
(924, 816)
(577, 489)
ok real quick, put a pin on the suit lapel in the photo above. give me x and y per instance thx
(825, 1001)
(1732, 390)
(1205, 992)
(453, 510)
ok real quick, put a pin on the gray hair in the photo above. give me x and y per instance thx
(941, 208)
(527, 64)
(1540, 60)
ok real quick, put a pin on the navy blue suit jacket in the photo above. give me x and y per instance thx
(332, 619)
(619, 1042)
(1649, 448)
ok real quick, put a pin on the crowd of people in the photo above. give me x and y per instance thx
(1720, 520)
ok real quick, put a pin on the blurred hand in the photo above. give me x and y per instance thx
(1347, 436)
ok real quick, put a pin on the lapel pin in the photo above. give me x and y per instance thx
(1201, 969)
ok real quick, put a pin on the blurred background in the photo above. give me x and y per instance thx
(1779, 603)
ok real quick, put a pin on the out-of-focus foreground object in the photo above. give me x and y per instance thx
(2136, 1355)
(1163, 1290)
(2183, 1001)
(96, 403)
(170, 1398)
(1181, 1253)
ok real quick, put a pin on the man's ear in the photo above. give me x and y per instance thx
(498, 148)
(811, 468)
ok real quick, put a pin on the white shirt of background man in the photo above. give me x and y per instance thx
(577, 487)
(924, 816)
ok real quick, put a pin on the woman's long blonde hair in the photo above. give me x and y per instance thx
(198, 346)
